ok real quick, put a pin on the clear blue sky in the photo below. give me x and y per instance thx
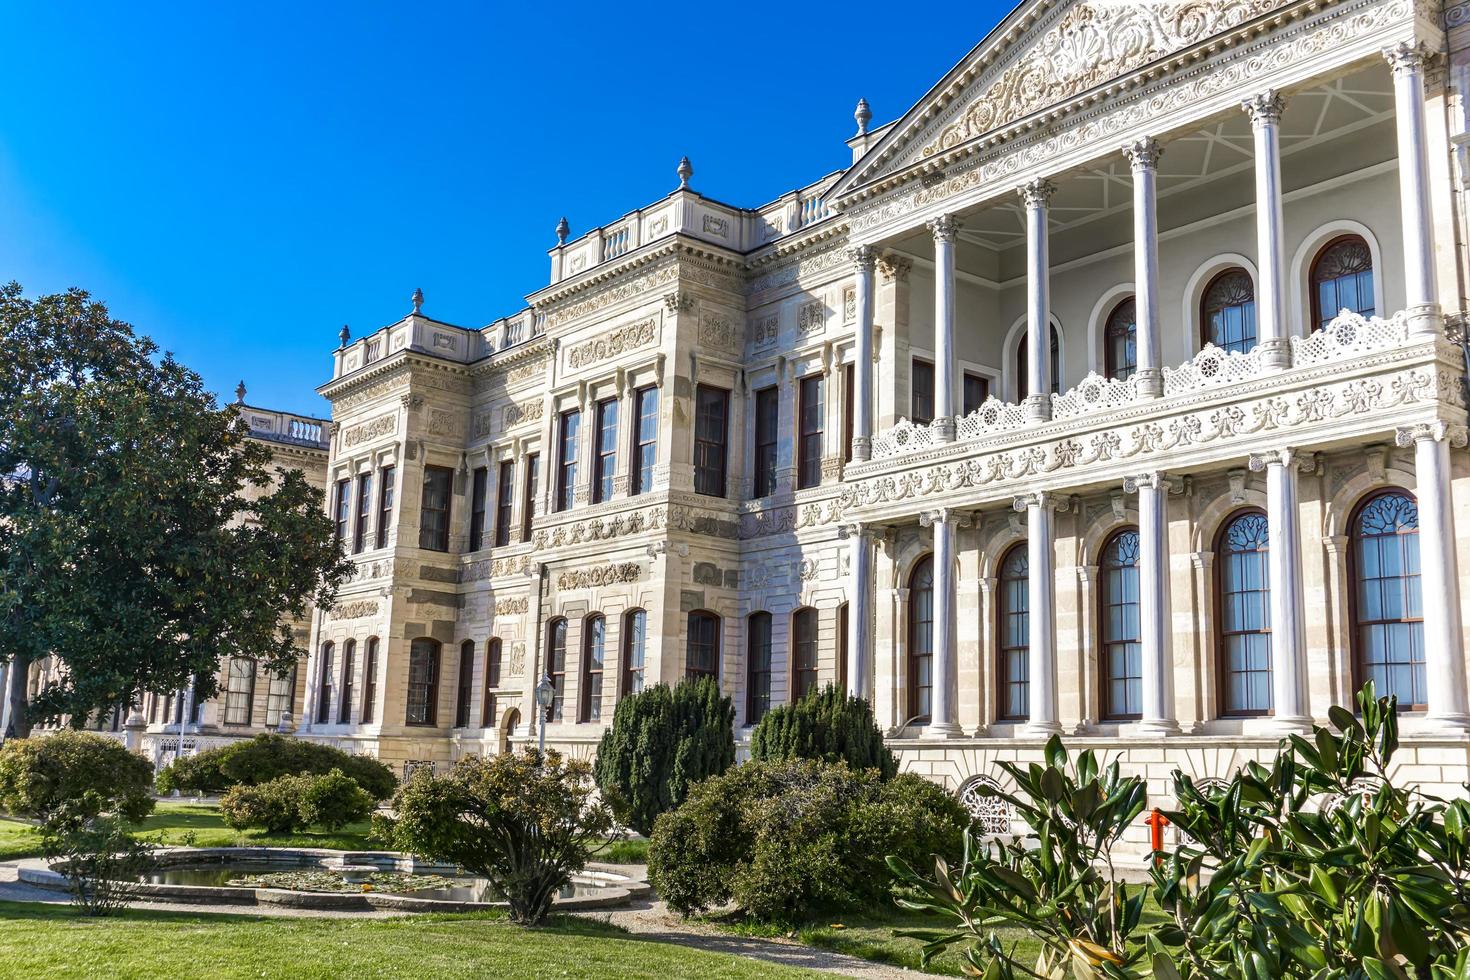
(238, 181)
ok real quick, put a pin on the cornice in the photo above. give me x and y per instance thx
(673, 247)
(827, 228)
(401, 362)
(520, 354)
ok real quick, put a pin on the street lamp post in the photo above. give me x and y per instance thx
(544, 693)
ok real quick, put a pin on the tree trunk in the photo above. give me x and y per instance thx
(20, 671)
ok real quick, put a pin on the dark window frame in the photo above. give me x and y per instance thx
(758, 666)
(1111, 330)
(1320, 317)
(342, 512)
(387, 478)
(364, 511)
(1023, 381)
(464, 691)
(533, 486)
(706, 620)
(1247, 311)
(767, 438)
(1222, 659)
(480, 490)
(1356, 646)
(915, 699)
(325, 669)
(568, 434)
(434, 534)
(493, 656)
(645, 443)
(369, 680)
(505, 488)
(805, 658)
(431, 650)
(921, 391)
(711, 449)
(589, 679)
(811, 425)
(634, 671)
(556, 666)
(1005, 613)
(1107, 710)
(233, 697)
(349, 663)
(605, 460)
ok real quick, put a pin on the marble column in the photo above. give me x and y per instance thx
(1037, 197)
(1143, 156)
(1289, 704)
(1041, 585)
(1154, 632)
(942, 723)
(1439, 575)
(860, 614)
(1421, 292)
(1271, 329)
(943, 229)
(864, 258)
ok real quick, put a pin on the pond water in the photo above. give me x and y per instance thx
(464, 888)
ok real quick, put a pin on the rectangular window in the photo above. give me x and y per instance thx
(803, 653)
(349, 663)
(767, 434)
(566, 457)
(645, 440)
(849, 399)
(635, 635)
(809, 447)
(385, 503)
(606, 465)
(324, 684)
(369, 680)
(488, 714)
(594, 636)
(711, 436)
(342, 508)
(921, 388)
(842, 627)
(466, 684)
(239, 691)
(434, 511)
(758, 659)
(533, 487)
(364, 511)
(977, 389)
(423, 682)
(279, 697)
(556, 667)
(477, 507)
(504, 498)
(704, 644)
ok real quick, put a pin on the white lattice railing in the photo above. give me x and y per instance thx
(904, 437)
(1349, 335)
(992, 416)
(1094, 394)
(1214, 367)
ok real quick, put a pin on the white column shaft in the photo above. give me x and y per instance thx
(1153, 608)
(944, 360)
(1042, 638)
(942, 698)
(1146, 266)
(1288, 608)
(1038, 302)
(1270, 235)
(1444, 650)
(862, 369)
(1419, 278)
(859, 619)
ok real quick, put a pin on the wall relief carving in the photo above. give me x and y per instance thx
(620, 341)
(356, 609)
(381, 426)
(596, 577)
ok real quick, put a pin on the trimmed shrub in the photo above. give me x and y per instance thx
(73, 777)
(274, 806)
(828, 726)
(660, 744)
(101, 861)
(335, 800)
(789, 839)
(251, 762)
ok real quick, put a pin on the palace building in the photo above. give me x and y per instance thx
(1115, 389)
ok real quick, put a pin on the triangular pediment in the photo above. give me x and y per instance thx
(1044, 54)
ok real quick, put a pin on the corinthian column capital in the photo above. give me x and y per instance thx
(1438, 431)
(943, 228)
(1037, 193)
(1144, 153)
(863, 258)
(1047, 499)
(1264, 108)
(1407, 56)
(1153, 480)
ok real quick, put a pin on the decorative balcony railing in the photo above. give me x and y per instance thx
(614, 243)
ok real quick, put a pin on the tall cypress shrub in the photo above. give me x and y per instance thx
(661, 743)
(826, 725)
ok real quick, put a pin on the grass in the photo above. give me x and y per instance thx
(200, 825)
(622, 852)
(51, 941)
(18, 840)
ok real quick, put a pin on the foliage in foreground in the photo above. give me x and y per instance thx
(523, 821)
(1375, 887)
(330, 801)
(102, 863)
(826, 725)
(785, 839)
(257, 760)
(660, 744)
(72, 777)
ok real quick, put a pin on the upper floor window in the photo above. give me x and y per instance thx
(809, 446)
(364, 511)
(466, 686)
(1120, 341)
(533, 487)
(1244, 615)
(239, 691)
(635, 640)
(1023, 375)
(349, 658)
(803, 653)
(977, 389)
(556, 665)
(342, 508)
(504, 499)
(921, 639)
(1342, 279)
(488, 713)
(767, 435)
(704, 645)
(921, 392)
(1013, 627)
(1387, 601)
(369, 679)
(434, 529)
(757, 667)
(594, 640)
(1228, 311)
(605, 466)
(566, 459)
(711, 436)
(645, 440)
(1122, 644)
(387, 484)
(423, 682)
(481, 490)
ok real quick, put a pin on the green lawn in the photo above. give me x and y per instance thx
(176, 821)
(18, 840)
(52, 941)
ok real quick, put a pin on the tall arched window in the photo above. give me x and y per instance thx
(1056, 364)
(324, 683)
(594, 639)
(465, 690)
(1342, 279)
(757, 667)
(1120, 341)
(1013, 628)
(704, 645)
(1228, 311)
(803, 653)
(1388, 624)
(1244, 619)
(1122, 652)
(921, 638)
(349, 664)
(635, 644)
(421, 707)
(369, 679)
(490, 709)
(842, 649)
(556, 665)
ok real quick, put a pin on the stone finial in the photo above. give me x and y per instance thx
(685, 171)
(344, 335)
(240, 393)
(863, 115)
(562, 231)
(418, 301)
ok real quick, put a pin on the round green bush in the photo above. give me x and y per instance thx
(334, 800)
(787, 840)
(251, 762)
(828, 726)
(273, 806)
(74, 777)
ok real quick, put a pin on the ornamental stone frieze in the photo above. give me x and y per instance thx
(621, 291)
(811, 317)
(445, 424)
(383, 425)
(357, 609)
(602, 575)
(512, 607)
(717, 332)
(634, 336)
(618, 525)
(485, 568)
(764, 330)
(802, 267)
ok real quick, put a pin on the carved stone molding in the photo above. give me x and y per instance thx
(442, 423)
(1152, 480)
(894, 268)
(944, 515)
(381, 426)
(530, 410)
(512, 607)
(357, 609)
(679, 301)
(411, 401)
(597, 577)
(811, 317)
(1023, 501)
(622, 340)
(716, 331)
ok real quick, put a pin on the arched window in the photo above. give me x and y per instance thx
(594, 638)
(803, 653)
(1342, 279)
(556, 665)
(369, 680)
(1388, 624)
(1228, 311)
(758, 667)
(423, 682)
(1056, 364)
(490, 709)
(1120, 341)
(1122, 652)
(842, 649)
(1244, 618)
(349, 658)
(704, 645)
(239, 691)
(324, 684)
(635, 643)
(921, 638)
(1013, 628)
(465, 690)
